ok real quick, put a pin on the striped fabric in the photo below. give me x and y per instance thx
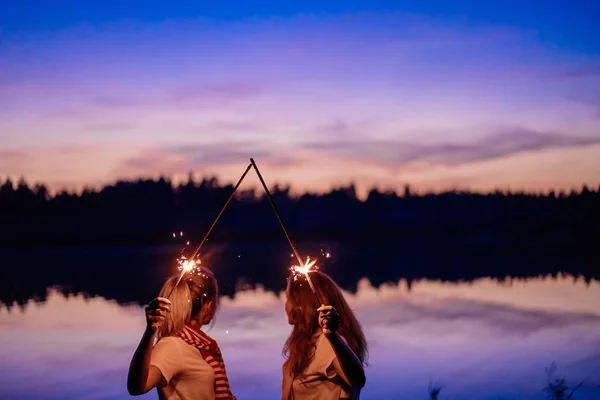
(210, 352)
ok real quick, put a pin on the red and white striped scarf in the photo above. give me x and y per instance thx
(210, 352)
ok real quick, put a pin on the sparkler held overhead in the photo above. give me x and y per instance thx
(188, 264)
(304, 267)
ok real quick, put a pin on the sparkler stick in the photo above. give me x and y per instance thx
(189, 264)
(304, 266)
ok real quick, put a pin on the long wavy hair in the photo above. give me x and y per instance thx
(189, 300)
(300, 346)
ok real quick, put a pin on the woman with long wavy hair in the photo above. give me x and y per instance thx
(326, 351)
(185, 363)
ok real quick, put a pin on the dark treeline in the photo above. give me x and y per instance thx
(145, 212)
(118, 242)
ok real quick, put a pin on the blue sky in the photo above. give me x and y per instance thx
(563, 23)
(436, 94)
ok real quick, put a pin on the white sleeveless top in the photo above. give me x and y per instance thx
(320, 381)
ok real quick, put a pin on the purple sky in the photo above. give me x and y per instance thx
(318, 99)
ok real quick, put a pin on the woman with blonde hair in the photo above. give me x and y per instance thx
(326, 350)
(185, 363)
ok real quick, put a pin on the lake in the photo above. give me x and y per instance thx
(481, 339)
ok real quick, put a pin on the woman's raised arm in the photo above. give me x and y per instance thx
(143, 377)
(347, 363)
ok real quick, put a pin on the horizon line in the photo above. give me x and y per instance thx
(400, 190)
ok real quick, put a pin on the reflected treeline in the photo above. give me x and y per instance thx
(118, 242)
(137, 274)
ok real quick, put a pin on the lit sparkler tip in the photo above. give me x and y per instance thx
(308, 266)
(188, 265)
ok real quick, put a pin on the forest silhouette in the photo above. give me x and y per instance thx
(81, 241)
(143, 212)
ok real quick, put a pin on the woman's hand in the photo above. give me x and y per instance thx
(329, 319)
(156, 312)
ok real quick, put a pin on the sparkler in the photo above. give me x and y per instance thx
(188, 264)
(305, 269)
(305, 266)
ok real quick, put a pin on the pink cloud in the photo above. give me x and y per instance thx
(13, 155)
(219, 93)
(501, 143)
(557, 169)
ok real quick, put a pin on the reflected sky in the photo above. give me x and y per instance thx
(481, 341)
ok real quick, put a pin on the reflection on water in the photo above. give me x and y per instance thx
(480, 341)
(137, 274)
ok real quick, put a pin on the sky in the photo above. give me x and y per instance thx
(479, 341)
(436, 94)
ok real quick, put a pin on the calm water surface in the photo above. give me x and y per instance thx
(482, 340)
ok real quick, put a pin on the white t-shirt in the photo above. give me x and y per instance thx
(320, 381)
(188, 376)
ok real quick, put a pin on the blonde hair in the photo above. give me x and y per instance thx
(187, 299)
